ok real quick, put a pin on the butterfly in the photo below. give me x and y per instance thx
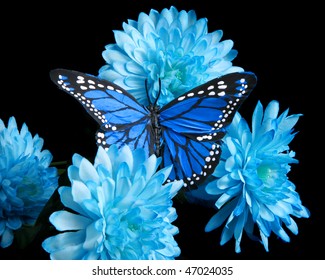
(186, 132)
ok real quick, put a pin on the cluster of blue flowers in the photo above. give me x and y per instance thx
(121, 205)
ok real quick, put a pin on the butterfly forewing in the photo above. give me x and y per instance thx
(122, 119)
(206, 110)
(133, 135)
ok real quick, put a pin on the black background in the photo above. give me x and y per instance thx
(273, 41)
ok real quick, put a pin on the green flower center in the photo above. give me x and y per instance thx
(272, 174)
(179, 75)
(133, 227)
(29, 188)
(264, 172)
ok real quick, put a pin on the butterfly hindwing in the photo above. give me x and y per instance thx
(192, 160)
(122, 119)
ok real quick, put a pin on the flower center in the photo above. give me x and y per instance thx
(28, 188)
(179, 75)
(272, 174)
(264, 172)
(133, 227)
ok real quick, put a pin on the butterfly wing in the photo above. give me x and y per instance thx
(194, 123)
(192, 160)
(122, 119)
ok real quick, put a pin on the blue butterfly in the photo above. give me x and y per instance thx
(186, 132)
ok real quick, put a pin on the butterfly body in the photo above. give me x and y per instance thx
(186, 132)
(156, 128)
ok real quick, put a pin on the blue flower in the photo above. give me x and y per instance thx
(171, 46)
(251, 183)
(26, 180)
(120, 209)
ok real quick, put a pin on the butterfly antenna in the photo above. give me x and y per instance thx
(158, 93)
(147, 91)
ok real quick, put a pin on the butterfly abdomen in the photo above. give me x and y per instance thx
(156, 128)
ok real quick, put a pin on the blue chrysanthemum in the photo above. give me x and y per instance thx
(171, 46)
(251, 183)
(120, 209)
(26, 180)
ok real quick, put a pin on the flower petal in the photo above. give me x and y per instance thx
(63, 220)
